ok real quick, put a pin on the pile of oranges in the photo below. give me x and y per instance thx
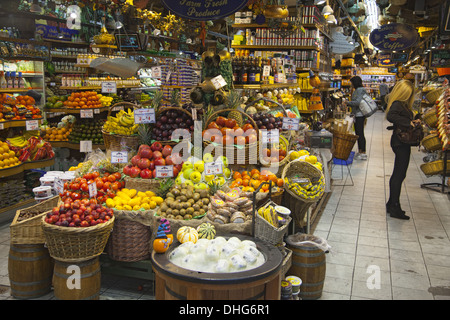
(84, 99)
(7, 157)
(57, 134)
(251, 180)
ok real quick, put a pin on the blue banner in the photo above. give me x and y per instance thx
(51, 32)
(394, 37)
(204, 10)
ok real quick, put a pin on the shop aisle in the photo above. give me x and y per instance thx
(412, 257)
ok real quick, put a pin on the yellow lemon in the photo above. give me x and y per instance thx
(136, 208)
(2, 164)
(110, 203)
(118, 201)
(132, 193)
(6, 162)
(126, 190)
(127, 207)
(146, 200)
(12, 154)
(141, 194)
(158, 200)
(150, 194)
(145, 206)
(134, 202)
(311, 159)
(119, 207)
(303, 153)
(152, 204)
(294, 155)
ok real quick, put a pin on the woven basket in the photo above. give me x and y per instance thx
(284, 144)
(129, 241)
(433, 95)
(29, 231)
(435, 168)
(118, 142)
(250, 150)
(68, 244)
(142, 184)
(158, 115)
(432, 142)
(267, 232)
(343, 144)
(430, 118)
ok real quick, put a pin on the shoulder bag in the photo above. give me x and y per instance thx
(412, 136)
(367, 106)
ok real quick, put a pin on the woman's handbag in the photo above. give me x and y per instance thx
(367, 106)
(412, 136)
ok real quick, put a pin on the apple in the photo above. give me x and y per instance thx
(146, 174)
(160, 162)
(134, 172)
(176, 159)
(166, 151)
(187, 165)
(175, 172)
(135, 160)
(157, 154)
(187, 173)
(151, 166)
(201, 185)
(227, 172)
(220, 180)
(195, 177)
(154, 174)
(144, 163)
(145, 152)
(127, 169)
(178, 180)
(199, 166)
(207, 157)
(209, 177)
(169, 160)
(156, 146)
(224, 160)
(188, 183)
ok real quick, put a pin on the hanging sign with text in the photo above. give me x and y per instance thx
(394, 37)
(204, 10)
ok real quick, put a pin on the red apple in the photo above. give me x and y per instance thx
(169, 160)
(146, 174)
(145, 152)
(160, 162)
(175, 171)
(166, 151)
(156, 146)
(154, 174)
(134, 172)
(157, 154)
(135, 160)
(179, 166)
(143, 163)
(152, 165)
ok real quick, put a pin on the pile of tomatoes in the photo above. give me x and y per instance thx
(107, 186)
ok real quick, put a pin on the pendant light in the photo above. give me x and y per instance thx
(319, 2)
(327, 10)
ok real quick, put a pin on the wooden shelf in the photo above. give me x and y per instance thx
(26, 166)
(97, 88)
(73, 110)
(18, 205)
(266, 86)
(15, 123)
(18, 90)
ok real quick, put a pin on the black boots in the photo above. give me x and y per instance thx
(396, 211)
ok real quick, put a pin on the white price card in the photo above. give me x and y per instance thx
(32, 125)
(156, 72)
(270, 136)
(118, 108)
(86, 146)
(213, 168)
(218, 82)
(119, 156)
(266, 71)
(2, 126)
(97, 110)
(58, 185)
(92, 190)
(144, 115)
(291, 123)
(109, 87)
(87, 113)
(164, 171)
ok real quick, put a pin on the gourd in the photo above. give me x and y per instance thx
(206, 231)
(186, 234)
(161, 245)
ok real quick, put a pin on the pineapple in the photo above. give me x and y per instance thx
(157, 98)
(144, 133)
(233, 102)
(164, 187)
(175, 98)
(214, 186)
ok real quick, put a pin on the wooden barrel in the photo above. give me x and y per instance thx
(77, 280)
(309, 264)
(30, 270)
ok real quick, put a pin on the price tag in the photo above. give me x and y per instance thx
(109, 87)
(144, 115)
(156, 72)
(97, 111)
(92, 190)
(213, 168)
(58, 185)
(88, 113)
(118, 108)
(164, 171)
(266, 71)
(2, 126)
(32, 125)
(218, 82)
(270, 136)
(119, 156)
(86, 146)
(291, 123)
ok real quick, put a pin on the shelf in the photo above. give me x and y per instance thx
(63, 57)
(20, 204)
(265, 25)
(278, 47)
(73, 110)
(26, 166)
(69, 72)
(31, 74)
(266, 86)
(98, 88)
(15, 123)
(18, 90)
(27, 58)
(73, 145)
(67, 42)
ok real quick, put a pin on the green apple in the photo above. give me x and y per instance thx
(195, 177)
(199, 166)
(220, 180)
(187, 173)
(187, 165)
(201, 185)
(207, 157)
(209, 177)
(178, 180)
(224, 160)
(227, 172)
(188, 183)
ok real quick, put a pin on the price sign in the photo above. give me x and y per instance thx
(291, 123)
(58, 185)
(88, 113)
(92, 190)
(144, 115)
(97, 111)
(119, 156)
(118, 108)
(86, 146)
(2, 126)
(213, 168)
(266, 71)
(109, 87)
(32, 125)
(270, 136)
(156, 72)
(164, 171)
(218, 82)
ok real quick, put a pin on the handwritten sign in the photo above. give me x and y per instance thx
(58, 185)
(144, 115)
(212, 168)
(156, 72)
(92, 190)
(32, 125)
(291, 123)
(86, 146)
(270, 136)
(88, 113)
(394, 37)
(119, 156)
(164, 171)
(204, 10)
(109, 87)
(218, 82)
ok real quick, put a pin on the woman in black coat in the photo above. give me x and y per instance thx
(399, 113)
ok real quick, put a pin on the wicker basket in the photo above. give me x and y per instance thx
(68, 244)
(432, 142)
(29, 231)
(284, 144)
(343, 144)
(435, 167)
(266, 231)
(433, 95)
(430, 118)
(235, 156)
(158, 115)
(142, 184)
(117, 142)
(129, 241)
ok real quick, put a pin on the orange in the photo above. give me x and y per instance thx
(244, 173)
(273, 178)
(237, 175)
(254, 183)
(254, 171)
(280, 182)
(245, 182)
(246, 177)
(238, 181)
(256, 176)
(234, 185)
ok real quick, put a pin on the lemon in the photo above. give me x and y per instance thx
(145, 206)
(303, 153)
(134, 202)
(146, 200)
(127, 207)
(158, 200)
(118, 201)
(152, 204)
(294, 155)
(136, 207)
(132, 193)
(311, 159)
(2, 164)
(150, 194)
(110, 203)
(141, 194)
(119, 207)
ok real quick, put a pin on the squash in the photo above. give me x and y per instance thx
(160, 245)
(186, 234)
(206, 231)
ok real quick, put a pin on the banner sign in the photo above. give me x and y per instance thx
(393, 37)
(51, 32)
(204, 10)
(384, 60)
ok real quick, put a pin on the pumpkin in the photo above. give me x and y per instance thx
(206, 231)
(160, 245)
(186, 234)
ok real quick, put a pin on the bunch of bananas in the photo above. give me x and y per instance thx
(122, 123)
(268, 213)
(305, 189)
(18, 141)
(106, 101)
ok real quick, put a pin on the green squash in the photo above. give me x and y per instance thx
(206, 231)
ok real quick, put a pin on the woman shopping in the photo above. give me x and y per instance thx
(357, 96)
(399, 113)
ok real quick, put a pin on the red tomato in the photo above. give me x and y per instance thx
(111, 178)
(106, 186)
(116, 185)
(95, 175)
(99, 184)
(118, 175)
(74, 186)
(105, 179)
(88, 176)
(84, 187)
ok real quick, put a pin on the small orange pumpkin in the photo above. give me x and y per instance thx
(160, 245)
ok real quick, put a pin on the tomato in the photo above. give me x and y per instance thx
(74, 186)
(75, 196)
(111, 178)
(106, 186)
(88, 176)
(95, 175)
(105, 179)
(84, 187)
(118, 175)
(99, 184)
(110, 194)
(94, 201)
(100, 199)
(116, 185)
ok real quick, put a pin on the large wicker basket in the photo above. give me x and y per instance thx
(284, 144)
(432, 142)
(435, 167)
(118, 142)
(29, 231)
(159, 114)
(143, 185)
(68, 244)
(433, 95)
(343, 144)
(430, 117)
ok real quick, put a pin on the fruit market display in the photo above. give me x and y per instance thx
(18, 108)
(58, 131)
(217, 255)
(87, 130)
(184, 202)
(83, 100)
(274, 214)
(168, 121)
(133, 200)
(143, 164)
(7, 156)
(106, 101)
(226, 131)
(273, 153)
(32, 149)
(249, 181)
(234, 206)
(122, 123)
(79, 214)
